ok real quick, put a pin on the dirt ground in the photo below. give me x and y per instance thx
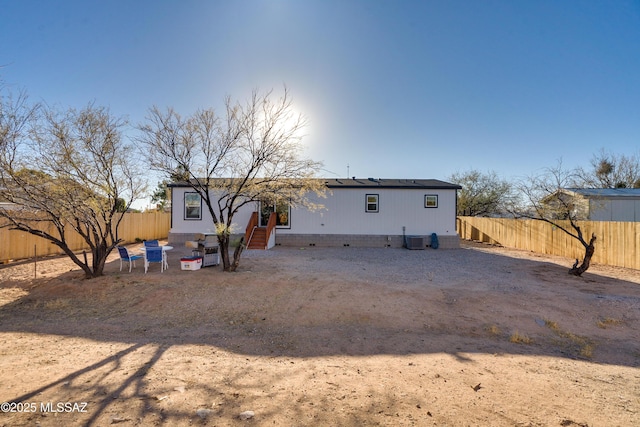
(329, 337)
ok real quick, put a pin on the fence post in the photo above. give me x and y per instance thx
(618, 242)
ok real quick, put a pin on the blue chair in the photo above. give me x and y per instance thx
(152, 254)
(151, 244)
(127, 257)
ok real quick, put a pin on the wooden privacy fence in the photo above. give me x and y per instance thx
(617, 243)
(145, 226)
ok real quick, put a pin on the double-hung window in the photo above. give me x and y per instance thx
(192, 206)
(372, 203)
(431, 201)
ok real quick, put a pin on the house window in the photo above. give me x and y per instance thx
(282, 210)
(430, 201)
(192, 206)
(372, 203)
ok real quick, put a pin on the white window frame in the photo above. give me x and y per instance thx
(431, 201)
(192, 200)
(375, 201)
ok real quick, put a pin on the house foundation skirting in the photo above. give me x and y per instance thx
(358, 240)
(334, 240)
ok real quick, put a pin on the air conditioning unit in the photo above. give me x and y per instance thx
(415, 242)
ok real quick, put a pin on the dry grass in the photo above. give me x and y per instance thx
(58, 304)
(608, 321)
(551, 325)
(583, 346)
(494, 330)
(518, 338)
(586, 350)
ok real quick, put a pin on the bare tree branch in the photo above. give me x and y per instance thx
(547, 199)
(71, 170)
(251, 153)
(609, 170)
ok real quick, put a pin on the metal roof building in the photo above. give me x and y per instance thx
(608, 204)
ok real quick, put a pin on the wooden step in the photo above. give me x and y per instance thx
(259, 239)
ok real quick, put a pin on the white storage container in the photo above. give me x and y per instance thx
(191, 263)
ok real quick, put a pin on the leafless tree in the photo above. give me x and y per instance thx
(64, 171)
(250, 153)
(546, 201)
(482, 194)
(609, 170)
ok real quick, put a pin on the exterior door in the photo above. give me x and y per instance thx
(282, 210)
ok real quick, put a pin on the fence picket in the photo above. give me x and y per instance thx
(617, 244)
(145, 226)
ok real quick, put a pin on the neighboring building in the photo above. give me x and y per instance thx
(356, 212)
(606, 204)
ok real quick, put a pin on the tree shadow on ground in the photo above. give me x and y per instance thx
(270, 310)
(457, 302)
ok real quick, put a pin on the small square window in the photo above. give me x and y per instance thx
(192, 206)
(372, 203)
(430, 201)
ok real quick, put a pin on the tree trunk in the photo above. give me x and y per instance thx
(88, 272)
(236, 255)
(223, 241)
(588, 253)
(99, 259)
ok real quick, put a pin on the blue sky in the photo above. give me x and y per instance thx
(395, 89)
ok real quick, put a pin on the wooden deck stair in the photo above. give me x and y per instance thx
(259, 239)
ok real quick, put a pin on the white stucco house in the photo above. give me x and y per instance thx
(606, 204)
(364, 212)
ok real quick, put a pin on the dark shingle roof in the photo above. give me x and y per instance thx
(432, 184)
(425, 184)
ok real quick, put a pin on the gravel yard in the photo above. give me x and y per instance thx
(324, 336)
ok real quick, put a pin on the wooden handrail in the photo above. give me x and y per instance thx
(271, 225)
(253, 223)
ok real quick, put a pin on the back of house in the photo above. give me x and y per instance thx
(369, 212)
